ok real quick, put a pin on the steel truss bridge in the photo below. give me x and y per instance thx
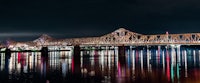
(119, 37)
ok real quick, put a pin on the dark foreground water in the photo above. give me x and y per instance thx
(140, 66)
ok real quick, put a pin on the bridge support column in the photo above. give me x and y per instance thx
(173, 54)
(121, 56)
(148, 59)
(76, 60)
(7, 53)
(44, 51)
(198, 53)
(158, 55)
(178, 53)
(44, 62)
(7, 60)
(159, 47)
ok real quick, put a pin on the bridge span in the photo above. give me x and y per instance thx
(120, 37)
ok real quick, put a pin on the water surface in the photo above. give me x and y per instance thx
(103, 66)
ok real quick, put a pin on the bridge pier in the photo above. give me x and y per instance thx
(178, 53)
(76, 60)
(159, 50)
(121, 54)
(7, 53)
(44, 51)
(44, 62)
(77, 54)
(7, 60)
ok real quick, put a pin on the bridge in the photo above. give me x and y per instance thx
(119, 40)
(120, 37)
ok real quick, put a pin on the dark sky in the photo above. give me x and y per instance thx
(27, 19)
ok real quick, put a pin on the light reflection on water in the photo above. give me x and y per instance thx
(103, 66)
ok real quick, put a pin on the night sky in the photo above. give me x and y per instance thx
(23, 20)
